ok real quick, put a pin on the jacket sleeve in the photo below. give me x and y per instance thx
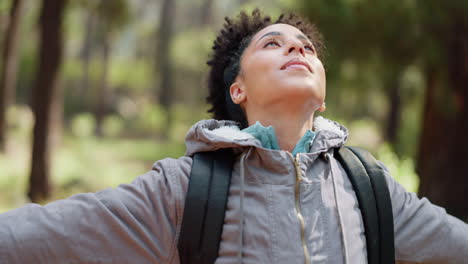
(133, 223)
(424, 232)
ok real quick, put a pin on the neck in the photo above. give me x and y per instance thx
(289, 126)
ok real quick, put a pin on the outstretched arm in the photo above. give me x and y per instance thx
(424, 232)
(133, 223)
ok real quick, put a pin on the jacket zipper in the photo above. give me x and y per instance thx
(298, 207)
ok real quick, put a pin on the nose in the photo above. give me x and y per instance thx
(295, 45)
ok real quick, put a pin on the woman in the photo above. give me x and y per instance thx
(289, 200)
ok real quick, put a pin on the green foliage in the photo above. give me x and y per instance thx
(412, 111)
(83, 125)
(436, 20)
(82, 163)
(13, 180)
(368, 42)
(133, 75)
(4, 7)
(21, 119)
(113, 126)
(267, 7)
(190, 49)
(26, 70)
(151, 119)
(89, 164)
(364, 133)
(114, 14)
(184, 118)
(403, 170)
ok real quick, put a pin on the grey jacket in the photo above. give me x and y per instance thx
(281, 209)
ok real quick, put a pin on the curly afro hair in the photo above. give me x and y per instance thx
(228, 47)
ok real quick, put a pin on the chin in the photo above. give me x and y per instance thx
(301, 95)
(303, 87)
(307, 90)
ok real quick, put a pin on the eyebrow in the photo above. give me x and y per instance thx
(272, 33)
(276, 33)
(300, 36)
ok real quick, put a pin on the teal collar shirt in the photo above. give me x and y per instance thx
(267, 136)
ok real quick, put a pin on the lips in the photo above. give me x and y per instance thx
(296, 61)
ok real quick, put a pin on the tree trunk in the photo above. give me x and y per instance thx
(443, 153)
(86, 51)
(206, 13)
(163, 61)
(44, 96)
(103, 95)
(9, 69)
(393, 120)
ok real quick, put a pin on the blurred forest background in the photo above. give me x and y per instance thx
(92, 92)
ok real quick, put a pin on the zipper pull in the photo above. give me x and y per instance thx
(298, 168)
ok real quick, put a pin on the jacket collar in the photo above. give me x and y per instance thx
(209, 135)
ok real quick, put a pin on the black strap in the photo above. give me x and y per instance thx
(206, 199)
(205, 206)
(369, 184)
(384, 205)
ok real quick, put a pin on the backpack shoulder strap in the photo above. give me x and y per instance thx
(205, 206)
(370, 186)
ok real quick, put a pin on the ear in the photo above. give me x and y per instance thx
(322, 107)
(237, 91)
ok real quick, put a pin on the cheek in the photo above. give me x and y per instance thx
(318, 66)
(320, 71)
(258, 87)
(323, 78)
(258, 75)
(259, 64)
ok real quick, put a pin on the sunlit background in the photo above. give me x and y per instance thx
(120, 82)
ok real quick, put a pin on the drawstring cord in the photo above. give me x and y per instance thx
(242, 196)
(340, 217)
(241, 221)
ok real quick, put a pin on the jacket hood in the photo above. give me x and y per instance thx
(211, 134)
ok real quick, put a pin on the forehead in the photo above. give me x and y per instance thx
(284, 29)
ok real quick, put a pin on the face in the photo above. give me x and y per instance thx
(279, 66)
